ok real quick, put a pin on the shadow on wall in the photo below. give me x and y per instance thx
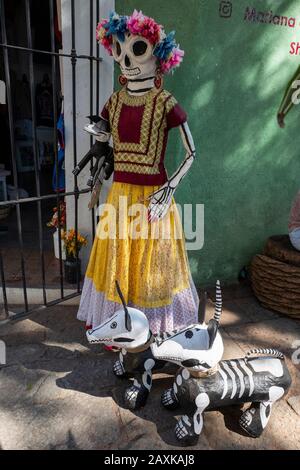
(231, 83)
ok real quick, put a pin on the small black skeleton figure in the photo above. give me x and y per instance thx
(206, 383)
(129, 330)
(103, 167)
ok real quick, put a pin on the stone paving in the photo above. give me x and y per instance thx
(57, 392)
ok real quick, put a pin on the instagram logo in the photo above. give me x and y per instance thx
(225, 9)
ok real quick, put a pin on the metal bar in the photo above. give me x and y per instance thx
(22, 315)
(43, 198)
(74, 62)
(97, 74)
(2, 276)
(98, 63)
(57, 54)
(13, 149)
(35, 148)
(55, 119)
(92, 35)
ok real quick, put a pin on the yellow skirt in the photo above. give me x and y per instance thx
(148, 260)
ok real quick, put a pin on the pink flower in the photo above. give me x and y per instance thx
(105, 41)
(141, 25)
(173, 61)
(134, 22)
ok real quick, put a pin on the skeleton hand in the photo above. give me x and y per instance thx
(118, 369)
(136, 396)
(160, 202)
(184, 430)
(169, 400)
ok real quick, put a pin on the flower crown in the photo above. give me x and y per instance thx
(165, 48)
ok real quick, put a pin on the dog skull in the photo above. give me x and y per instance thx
(190, 348)
(116, 332)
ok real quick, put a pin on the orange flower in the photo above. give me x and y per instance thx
(71, 244)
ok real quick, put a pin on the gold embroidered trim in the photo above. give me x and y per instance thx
(131, 168)
(131, 100)
(170, 104)
(130, 156)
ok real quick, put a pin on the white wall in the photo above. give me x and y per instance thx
(83, 101)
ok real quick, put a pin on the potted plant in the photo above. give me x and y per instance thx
(72, 248)
(58, 221)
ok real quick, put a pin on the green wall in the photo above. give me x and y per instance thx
(231, 83)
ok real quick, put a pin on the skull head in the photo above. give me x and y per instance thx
(189, 348)
(135, 56)
(198, 347)
(128, 328)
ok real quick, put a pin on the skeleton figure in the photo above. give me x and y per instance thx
(139, 118)
(143, 58)
(206, 383)
(129, 329)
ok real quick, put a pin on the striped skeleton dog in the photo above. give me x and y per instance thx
(260, 378)
(128, 329)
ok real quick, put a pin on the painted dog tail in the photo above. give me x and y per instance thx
(218, 304)
(265, 351)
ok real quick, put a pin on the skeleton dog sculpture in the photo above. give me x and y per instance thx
(129, 330)
(206, 382)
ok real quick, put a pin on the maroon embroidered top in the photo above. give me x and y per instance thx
(140, 126)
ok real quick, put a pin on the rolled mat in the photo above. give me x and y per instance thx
(276, 284)
(279, 247)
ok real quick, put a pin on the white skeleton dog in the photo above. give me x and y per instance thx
(129, 330)
(206, 382)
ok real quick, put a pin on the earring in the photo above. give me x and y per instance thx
(122, 80)
(158, 81)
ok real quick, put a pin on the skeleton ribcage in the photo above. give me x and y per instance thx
(240, 381)
(235, 382)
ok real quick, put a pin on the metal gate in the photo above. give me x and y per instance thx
(93, 60)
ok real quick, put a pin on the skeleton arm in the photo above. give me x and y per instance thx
(161, 199)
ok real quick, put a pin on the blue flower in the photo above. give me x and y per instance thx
(117, 25)
(165, 47)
